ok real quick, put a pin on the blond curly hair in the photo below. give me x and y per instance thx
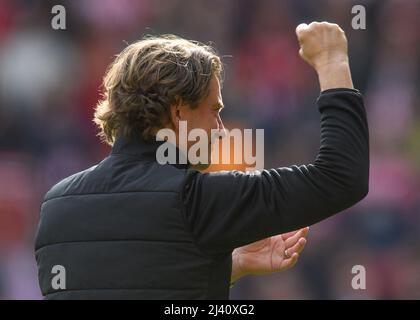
(149, 76)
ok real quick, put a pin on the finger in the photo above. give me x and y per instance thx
(290, 262)
(287, 235)
(301, 29)
(298, 247)
(290, 241)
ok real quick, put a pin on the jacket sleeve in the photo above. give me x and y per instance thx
(228, 209)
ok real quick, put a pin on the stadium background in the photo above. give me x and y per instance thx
(49, 83)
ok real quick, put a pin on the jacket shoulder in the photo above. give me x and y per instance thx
(120, 174)
(65, 186)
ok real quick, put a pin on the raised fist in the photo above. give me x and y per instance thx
(322, 43)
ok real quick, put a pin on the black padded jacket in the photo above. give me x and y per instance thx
(130, 228)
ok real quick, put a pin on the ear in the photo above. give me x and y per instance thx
(179, 112)
(175, 116)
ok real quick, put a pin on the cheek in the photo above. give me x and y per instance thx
(207, 119)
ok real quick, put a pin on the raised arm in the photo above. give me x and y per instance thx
(229, 209)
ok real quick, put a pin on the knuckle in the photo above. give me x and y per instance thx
(300, 31)
(313, 25)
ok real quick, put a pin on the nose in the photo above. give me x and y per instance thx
(221, 127)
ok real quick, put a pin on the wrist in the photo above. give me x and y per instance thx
(335, 74)
(237, 271)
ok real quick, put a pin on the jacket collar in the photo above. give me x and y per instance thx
(136, 146)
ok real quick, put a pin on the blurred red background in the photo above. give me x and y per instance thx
(50, 81)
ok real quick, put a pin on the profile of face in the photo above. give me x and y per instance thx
(205, 116)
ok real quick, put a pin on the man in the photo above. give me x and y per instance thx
(132, 228)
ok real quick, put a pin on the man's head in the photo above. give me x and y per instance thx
(155, 83)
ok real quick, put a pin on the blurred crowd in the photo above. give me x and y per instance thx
(50, 82)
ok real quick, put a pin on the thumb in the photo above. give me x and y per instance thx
(301, 53)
